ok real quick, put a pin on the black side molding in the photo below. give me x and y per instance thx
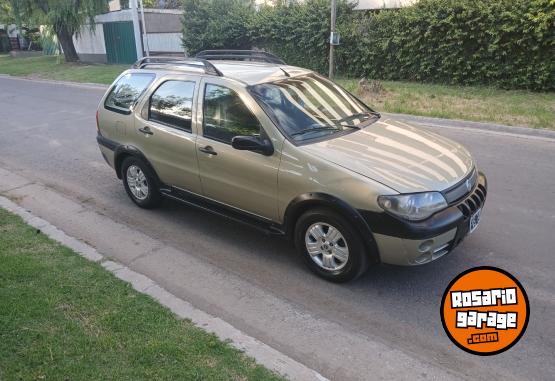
(237, 215)
(123, 150)
(105, 142)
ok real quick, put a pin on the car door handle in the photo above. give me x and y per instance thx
(208, 149)
(146, 130)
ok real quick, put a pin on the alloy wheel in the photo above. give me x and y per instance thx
(326, 246)
(136, 180)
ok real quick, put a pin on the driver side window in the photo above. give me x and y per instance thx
(226, 116)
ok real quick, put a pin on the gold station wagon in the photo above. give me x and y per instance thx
(243, 135)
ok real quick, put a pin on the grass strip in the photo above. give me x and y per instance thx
(65, 318)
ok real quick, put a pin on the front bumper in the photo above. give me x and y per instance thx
(402, 242)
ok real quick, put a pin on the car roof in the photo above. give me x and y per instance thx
(246, 72)
(257, 72)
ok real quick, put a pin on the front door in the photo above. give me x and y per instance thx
(165, 132)
(242, 179)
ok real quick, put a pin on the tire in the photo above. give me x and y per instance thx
(136, 170)
(331, 263)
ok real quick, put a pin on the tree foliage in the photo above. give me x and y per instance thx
(7, 14)
(66, 17)
(506, 43)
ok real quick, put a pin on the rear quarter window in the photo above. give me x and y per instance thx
(126, 91)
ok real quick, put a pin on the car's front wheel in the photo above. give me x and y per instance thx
(140, 183)
(330, 246)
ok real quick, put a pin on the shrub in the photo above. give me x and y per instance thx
(298, 32)
(505, 43)
(216, 24)
(508, 43)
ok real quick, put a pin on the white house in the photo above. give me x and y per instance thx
(362, 4)
(383, 4)
(114, 38)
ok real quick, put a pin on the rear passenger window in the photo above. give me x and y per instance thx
(127, 90)
(171, 104)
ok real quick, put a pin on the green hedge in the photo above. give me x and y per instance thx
(509, 43)
(216, 24)
(505, 43)
(298, 33)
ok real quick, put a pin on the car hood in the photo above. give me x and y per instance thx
(399, 156)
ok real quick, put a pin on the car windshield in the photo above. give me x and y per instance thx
(311, 107)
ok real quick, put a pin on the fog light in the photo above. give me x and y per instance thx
(425, 246)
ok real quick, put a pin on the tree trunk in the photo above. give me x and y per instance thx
(66, 40)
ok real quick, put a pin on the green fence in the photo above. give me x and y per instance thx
(119, 40)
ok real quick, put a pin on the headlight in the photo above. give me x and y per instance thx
(414, 207)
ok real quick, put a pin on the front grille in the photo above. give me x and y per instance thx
(474, 201)
(462, 188)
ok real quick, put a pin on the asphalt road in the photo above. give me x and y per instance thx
(48, 135)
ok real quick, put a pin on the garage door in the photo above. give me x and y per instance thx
(119, 40)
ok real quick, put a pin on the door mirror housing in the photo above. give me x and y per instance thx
(254, 144)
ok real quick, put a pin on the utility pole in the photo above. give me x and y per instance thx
(333, 40)
(145, 37)
(136, 28)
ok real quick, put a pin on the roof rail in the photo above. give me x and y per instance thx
(245, 55)
(196, 63)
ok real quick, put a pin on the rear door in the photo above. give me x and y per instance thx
(242, 179)
(166, 134)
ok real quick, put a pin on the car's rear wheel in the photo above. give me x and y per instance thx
(330, 246)
(140, 183)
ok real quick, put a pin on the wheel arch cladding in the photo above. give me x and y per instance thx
(124, 151)
(312, 200)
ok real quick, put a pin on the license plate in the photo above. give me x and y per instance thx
(474, 220)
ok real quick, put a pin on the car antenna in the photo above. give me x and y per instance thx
(286, 73)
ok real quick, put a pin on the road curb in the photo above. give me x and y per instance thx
(466, 124)
(262, 353)
(57, 82)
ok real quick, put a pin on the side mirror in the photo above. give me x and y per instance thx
(254, 144)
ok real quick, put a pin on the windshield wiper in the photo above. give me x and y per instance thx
(305, 130)
(342, 124)
(366, 114)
